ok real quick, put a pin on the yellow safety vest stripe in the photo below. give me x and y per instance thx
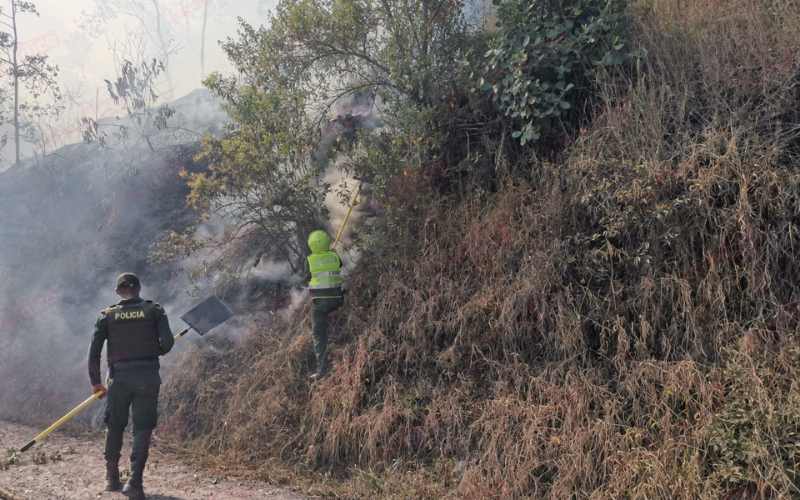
(325, 272)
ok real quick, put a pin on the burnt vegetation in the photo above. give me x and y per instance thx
(609, 310)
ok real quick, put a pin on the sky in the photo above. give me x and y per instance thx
(80, 35)
(85, 57)
(185, 16)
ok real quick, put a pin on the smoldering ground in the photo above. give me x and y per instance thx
(72, 223)
(61, 253)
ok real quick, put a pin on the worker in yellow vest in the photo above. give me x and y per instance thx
(325, 285)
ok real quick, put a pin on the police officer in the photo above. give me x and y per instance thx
(137, 332)
(325, 284)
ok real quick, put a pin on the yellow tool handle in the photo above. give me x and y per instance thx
(74, 412)
(61, 421)
(346, 217)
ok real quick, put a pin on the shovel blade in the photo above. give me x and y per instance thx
(207, 315)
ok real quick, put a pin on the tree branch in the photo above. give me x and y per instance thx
(387, 9)
(364, 57)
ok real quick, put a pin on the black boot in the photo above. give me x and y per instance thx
(112, 477)
(139, 453)
(133, 488)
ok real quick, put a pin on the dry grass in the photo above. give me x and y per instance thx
(623, 327)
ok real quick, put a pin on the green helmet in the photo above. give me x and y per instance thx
(319, 242)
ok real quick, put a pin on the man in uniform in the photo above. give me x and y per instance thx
(138, 333)
(325, 284)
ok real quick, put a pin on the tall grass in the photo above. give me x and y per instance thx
(623, 326)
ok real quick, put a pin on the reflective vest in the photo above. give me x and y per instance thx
(132, 332)
(326, 282)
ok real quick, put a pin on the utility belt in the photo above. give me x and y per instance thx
(115, 366)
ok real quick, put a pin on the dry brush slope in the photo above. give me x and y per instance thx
(622, 325)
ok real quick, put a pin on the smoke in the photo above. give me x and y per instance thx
(71, 223)
(246, 324)
(274, 271)
(338, 207)
(360, 112)
(68, 229)
(80, 36)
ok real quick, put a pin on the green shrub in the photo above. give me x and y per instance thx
(546, 52)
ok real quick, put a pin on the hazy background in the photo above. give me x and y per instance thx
(69, 225)
(87, 30)
(61, 241)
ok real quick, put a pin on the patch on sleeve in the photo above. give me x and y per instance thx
(108, 310)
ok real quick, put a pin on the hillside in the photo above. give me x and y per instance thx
(70, 223)
(609, 313)
(572, 271)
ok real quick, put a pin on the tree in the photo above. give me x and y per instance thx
(33, 71)
(262, 180)
(38, 122)
(3, 140)
(151, 19)
(136, 88)
(399, 48)
(203, 42)
(315, 56)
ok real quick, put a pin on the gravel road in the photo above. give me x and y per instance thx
(81, 474)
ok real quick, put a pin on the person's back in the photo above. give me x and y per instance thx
(325, 284)
(137, 332)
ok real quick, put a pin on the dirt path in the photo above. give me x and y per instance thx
(81, 475)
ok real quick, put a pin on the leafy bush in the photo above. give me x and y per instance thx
(755, 433)
(546, 52)
(318, 73)
(622, 325)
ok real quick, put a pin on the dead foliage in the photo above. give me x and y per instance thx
(623, 326)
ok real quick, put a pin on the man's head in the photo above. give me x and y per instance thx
(128, 286)
(319, 242)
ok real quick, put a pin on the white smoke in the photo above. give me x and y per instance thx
(361, 112)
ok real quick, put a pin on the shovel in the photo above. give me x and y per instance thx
(205, 316)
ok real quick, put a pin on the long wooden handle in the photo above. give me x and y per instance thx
(74, 412)
(358, 190)
(60, 422)
(181, 334)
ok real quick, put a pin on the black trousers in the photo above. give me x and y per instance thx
(142, 399)
(319, 317)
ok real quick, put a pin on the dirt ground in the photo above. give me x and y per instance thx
(81, 475)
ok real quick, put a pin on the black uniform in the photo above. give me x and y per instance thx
(137, 332)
